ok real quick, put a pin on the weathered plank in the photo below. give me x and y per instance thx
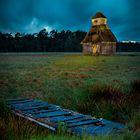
(42, 106)
(17, 99)
(86, 122)
(51, 114)
(36, 111)
(21, 101)
(77, 120)
(26, 104)
(65, 118)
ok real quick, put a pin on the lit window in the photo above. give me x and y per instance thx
(95, 21)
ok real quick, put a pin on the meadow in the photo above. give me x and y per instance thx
(102, 86)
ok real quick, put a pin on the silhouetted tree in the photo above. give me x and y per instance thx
(64, 41)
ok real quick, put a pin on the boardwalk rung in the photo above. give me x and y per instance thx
(36, 111)
(83, 123)
(77, 120)
(52, 114)
(45, 111)
(65, 118)
(22, 101)
(27, 104)
(35, 107)
(18, 99)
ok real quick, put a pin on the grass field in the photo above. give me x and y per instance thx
(102, 86)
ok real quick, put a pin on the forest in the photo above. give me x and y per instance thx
(54, 41)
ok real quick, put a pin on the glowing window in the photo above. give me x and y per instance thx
(95, 21)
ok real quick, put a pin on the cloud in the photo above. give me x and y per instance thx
(33, 15)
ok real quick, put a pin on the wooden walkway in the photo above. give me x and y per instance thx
(51, 116)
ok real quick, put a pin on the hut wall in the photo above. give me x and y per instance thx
(107, 48)
(87, 49)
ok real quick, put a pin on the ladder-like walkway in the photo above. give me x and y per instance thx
(51, 116)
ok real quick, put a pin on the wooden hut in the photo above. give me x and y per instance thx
(100, 39)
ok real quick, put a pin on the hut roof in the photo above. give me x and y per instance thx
(99, 34)
(99, 15)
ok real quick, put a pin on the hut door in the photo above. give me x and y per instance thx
(94, 49)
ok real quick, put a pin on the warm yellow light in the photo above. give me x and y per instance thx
(99, 21)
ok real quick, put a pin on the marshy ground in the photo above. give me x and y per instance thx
(102, 86)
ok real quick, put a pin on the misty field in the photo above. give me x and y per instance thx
(102, 86)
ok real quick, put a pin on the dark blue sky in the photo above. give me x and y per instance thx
(33, 15)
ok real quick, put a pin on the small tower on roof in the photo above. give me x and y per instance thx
(99, 19)
(100, 39)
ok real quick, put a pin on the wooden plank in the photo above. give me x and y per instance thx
(13, 101)
(46, 111)
(66, 118)
(51, 114)
(57, 118)
(27, 104)
(34, 111)
(35, 107)
(77, 120)
(93, 130)
(17, 99)
(17, 102)
(80, 130)
(83, 123)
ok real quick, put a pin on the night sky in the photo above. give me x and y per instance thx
(31, 16)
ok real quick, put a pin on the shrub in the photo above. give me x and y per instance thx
(104, 101)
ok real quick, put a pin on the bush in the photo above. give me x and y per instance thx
(110, 102)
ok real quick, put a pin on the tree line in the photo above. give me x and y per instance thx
(128, 47)
(54, 41)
